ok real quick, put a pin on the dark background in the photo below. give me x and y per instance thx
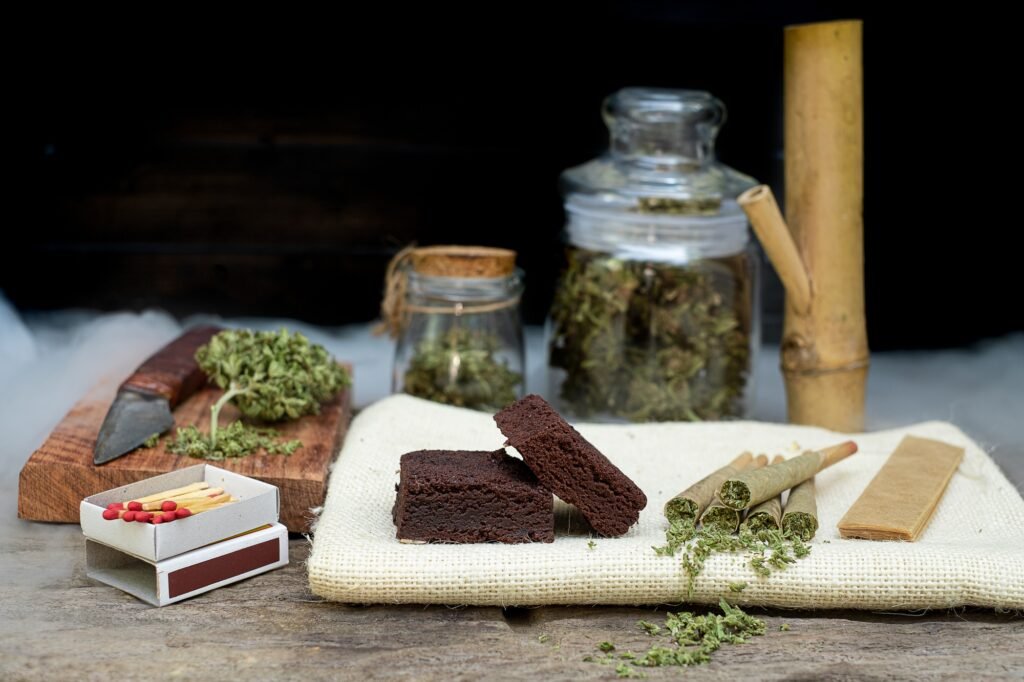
(270, 165)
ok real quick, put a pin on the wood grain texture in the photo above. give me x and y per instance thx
(60, 473)
(270, 627)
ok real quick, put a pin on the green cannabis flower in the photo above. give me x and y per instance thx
(270, 376)
(236, 440)
(461, 367)
(652, 341)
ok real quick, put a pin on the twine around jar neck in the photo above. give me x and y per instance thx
(443, 263)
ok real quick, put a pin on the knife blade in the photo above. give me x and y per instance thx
(144, 401)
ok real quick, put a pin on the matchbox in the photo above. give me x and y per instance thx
(201, 570)
(253, 504)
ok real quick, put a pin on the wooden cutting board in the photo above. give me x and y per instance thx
(60, 473)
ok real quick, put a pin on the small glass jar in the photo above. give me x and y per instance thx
(656, 316)
(461, 339)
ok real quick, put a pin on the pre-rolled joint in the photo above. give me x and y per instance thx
(800, 524)
(724, 519)
(735, 494)
(681, 510)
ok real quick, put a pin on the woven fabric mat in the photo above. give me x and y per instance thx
(972, 552)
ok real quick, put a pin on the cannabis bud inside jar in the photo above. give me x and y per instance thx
(455, 311)
(655, 317)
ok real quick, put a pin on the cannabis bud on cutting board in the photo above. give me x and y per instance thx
(269, 377)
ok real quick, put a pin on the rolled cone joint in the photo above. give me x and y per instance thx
(801, 515)
(766, 516)
(751, 487)
(687, 506)
(719, 517)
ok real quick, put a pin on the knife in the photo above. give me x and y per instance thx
(144, 401)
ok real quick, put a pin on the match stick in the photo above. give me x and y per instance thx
(174, 492)
(196, 495)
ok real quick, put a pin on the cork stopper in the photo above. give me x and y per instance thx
(463, 261)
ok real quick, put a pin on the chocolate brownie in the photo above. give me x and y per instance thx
(571, 467)
(462, 496)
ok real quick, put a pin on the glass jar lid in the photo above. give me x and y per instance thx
(658, 192)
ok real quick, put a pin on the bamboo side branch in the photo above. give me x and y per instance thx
(763, 212)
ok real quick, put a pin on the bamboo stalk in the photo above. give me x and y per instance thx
(820, 259)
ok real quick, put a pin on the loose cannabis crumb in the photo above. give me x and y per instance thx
(543, 639)
(679, 533)
(649, 628)
(236, 440)
(591, 544)
(784, 627)
(737, 587)
(692, 638)
(626, 670)
(151, 441)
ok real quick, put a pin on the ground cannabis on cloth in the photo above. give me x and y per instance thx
(652, 341)
(270, 376)
(768, 550)
(461, 367)
(692, 639)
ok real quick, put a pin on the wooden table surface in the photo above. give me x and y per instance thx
(55, 623)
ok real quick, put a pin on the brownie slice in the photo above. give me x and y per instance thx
(464, 496)
(571, 467)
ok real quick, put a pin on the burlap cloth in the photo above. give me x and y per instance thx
(972, 553)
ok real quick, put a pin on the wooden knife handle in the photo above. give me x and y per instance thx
(172, 372)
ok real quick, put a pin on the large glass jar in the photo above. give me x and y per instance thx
(656, 316)
(461, 338)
